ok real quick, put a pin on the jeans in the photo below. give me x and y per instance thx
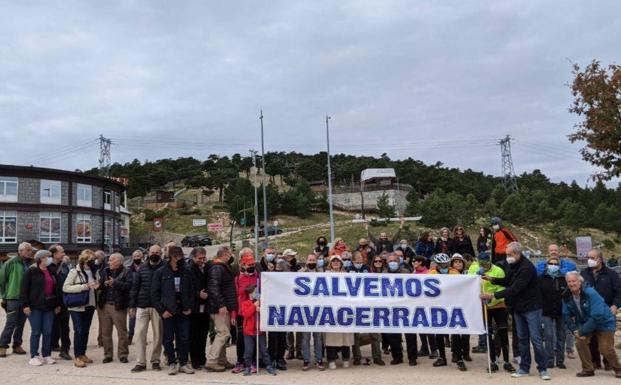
(81, 325)
(528, 325)
(14, 327)
(570, 340)
(61, 331)
(317, 343)
(554, 339)
(177, 338)
(41, 323)
(250, 351)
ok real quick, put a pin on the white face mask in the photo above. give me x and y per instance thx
(592, 262)
(496, 227)
(510, 260)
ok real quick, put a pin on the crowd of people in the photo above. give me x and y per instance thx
(188, 301)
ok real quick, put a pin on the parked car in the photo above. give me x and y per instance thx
(196, 240)
(271, 230)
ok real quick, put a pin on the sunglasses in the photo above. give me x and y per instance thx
(553, 264)
(378, 261)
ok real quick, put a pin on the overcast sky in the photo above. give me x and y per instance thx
(434, 80)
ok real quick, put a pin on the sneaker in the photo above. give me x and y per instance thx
(544, 375)
(238, 368)
(516, 360)
(461, 365)
(346, 364)
(561, 366)
(439, 362)
(253, 369)
(508, 367)
(156, 366)
(215, 368)
(48, 360)
(520, 373)
(247, 372)
(305, 366)
(379, 362)
(35, 361)
(332, 365)
(187, 369)
(271, 370)
(172, 369)
(138, 369)
(320, 366)
(65, 356)
(493, 368)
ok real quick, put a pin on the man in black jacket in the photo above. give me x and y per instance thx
(552, 285)
(522, 294)
(173, 295)
(606, 283)
(199, 319)
(141, 306)
(222, 305)
(115, 282)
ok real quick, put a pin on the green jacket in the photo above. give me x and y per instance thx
(11, 276)
(488, 287)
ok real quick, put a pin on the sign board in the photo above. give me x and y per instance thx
(371, 173)
(583, 245)
(158, 224)
(199, 222)
(215, 227)
(371, 303)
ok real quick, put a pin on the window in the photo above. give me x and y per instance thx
(107, 200)
(108, 231)
(85, 195)
(49, 227)
(8, 227)
(117, 202)
(8, 189)
(84, 227)
(50, 191)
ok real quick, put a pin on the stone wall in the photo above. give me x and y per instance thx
(353, 201)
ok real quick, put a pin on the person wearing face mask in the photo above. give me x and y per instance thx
(554, 252)
(460, 343)
(294, 339)
(269, 256)
(552, 284)
(81, 279)
(407, 252)
(501, 238)
(141, 306)
(404, 263)
(346, 257)
(222, 303)
(523, 295)
(338, 342)
(11, 277)
(60, 269)
(322, 247)
(384, 243)
(173, 295)
(367, 251)
(608, 284)
(250, 308)
(247, 276)
(289, 256)
(199, 319)
(339, 247)
(311, 267)
(137, 259)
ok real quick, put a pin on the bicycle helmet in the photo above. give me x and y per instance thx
(441, 259)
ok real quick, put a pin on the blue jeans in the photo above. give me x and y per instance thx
(41, 323)
(570, 340)
(81, 326)
(14, 327)
(318, 344)
(176, 338)
(250, 351)
(554, 339)
(528, 325)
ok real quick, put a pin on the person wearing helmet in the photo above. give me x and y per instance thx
(501, 238)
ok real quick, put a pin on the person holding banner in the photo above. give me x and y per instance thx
(277, 341)
(394, 339)
(336, 342)
(460, 343)
(250, 310)
(495, 309)
(523, 295)
(311, 267)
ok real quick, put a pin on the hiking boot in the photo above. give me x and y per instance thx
(320, 366)
(227, 365)
(585, 374)
(78, 363)
(18, 350)
(493, 368)
(379, 362)
(156, 366)
(508, 367)
(272, 371)
(467, 358)
(305, 366)
(238, 368)
(172, 369)
(138, 369)
(186, 369)
(215, 368)
(461, 365)
(356, 361)
(439, 362)
(2, 352)
(412, 363)
(65, 356)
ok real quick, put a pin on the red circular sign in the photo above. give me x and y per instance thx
(28, 226)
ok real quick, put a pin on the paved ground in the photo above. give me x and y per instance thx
(15, 370)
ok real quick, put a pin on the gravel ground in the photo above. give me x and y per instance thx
(15, 370)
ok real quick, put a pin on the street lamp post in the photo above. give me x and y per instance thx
(265, 244)
(329, 181)
(256, 202)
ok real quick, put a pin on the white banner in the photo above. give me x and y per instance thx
(378, 303)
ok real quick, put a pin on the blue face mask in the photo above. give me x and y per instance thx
(269, 257)
(481, 271)
(320, 263)
(347, 263)
(255, 295)
(443, 270)
(358, 266)
(393, 266)
(401, 260)
(553, 269)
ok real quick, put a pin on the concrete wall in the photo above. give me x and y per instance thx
(353, 201)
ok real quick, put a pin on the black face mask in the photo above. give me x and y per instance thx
(137, 261)
(180, 262)
(311, 266)
(251, 269)
(322, 243)
(154, 258)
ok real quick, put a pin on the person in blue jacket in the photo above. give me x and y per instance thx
(553, 252)
(588, 317)
(425, 247)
